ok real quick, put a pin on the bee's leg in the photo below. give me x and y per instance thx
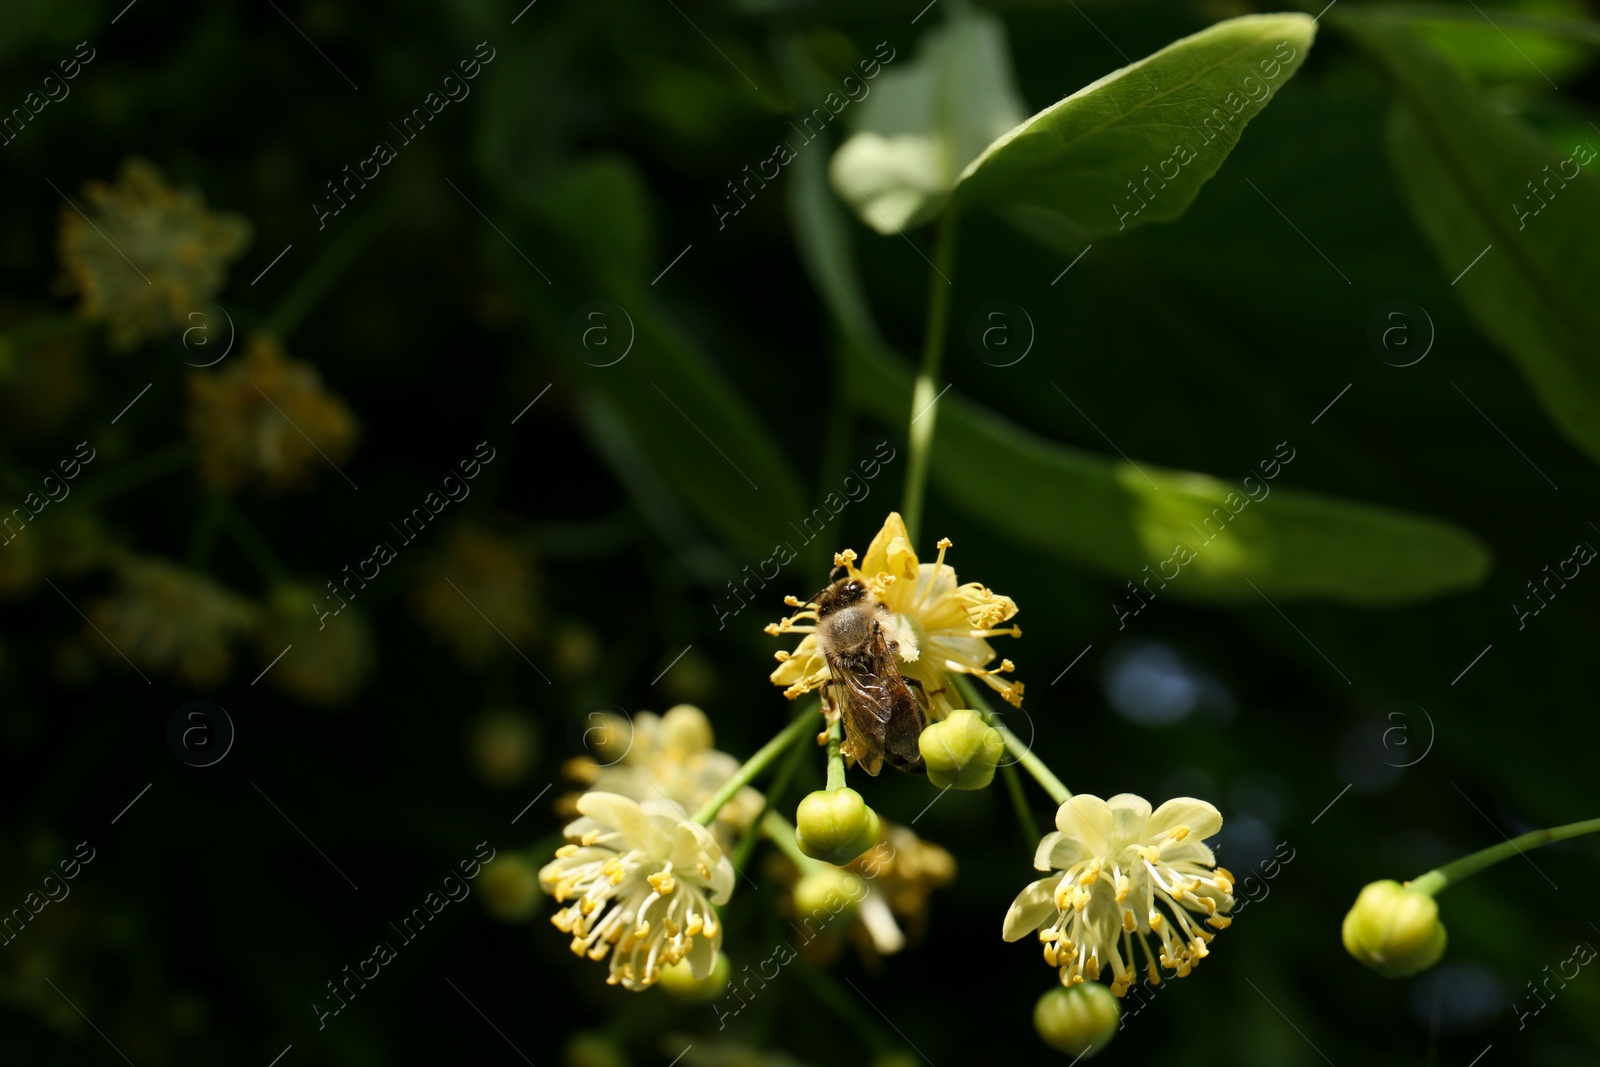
(830, 712)
(924, 698)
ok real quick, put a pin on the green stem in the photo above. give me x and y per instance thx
(753, 766)
(134, 473)
(780, 782)
(1019, 800)
(1443, 877)
(205, 531)
(780, 832)
(340, 253)
(45, 328)
(835, 753)
(1034, 765)
(253, 545)
(845, 1006)
(1015, 745)
(925, 396)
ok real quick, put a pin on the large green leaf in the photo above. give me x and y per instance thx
(1515, 222)
(1105, 515)
(1118, 517)
(703, 439)
(1137, 145)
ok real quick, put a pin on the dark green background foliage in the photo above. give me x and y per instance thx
(1393, 547)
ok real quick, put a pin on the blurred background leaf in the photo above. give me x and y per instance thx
(1479, 183)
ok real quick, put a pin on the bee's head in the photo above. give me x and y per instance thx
(841, 595)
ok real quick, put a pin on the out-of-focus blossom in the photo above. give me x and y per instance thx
(169, 619)
(144, 255)
(480, 596)
(266, 417)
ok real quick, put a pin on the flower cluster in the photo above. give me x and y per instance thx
(641, 882)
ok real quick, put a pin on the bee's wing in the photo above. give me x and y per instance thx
(866, 709)
(906, 720)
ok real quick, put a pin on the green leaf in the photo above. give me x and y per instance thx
(1550, 18)
(1118, 518)
(1104, 515)
(1515, 222)
(702, 437)
(925, 120)
(1498, 51)
(1137, 145)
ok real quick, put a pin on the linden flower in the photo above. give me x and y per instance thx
(940, 626)
(480, 575)
(674, 756)
(331, 660)
(899, 875)
(1124, 872)
(259, 416)
(643, 882)
(164, 617)
(906, 869)
(176, 253)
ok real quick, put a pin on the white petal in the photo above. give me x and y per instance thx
(1130, 813)
(1190, 851)
(1033, 906)
(1202, 819)
(881, 927)
(615, 810)
(692, 844)
(703, 953)
(1089, 819)
(1047, 845)
(1058, 851)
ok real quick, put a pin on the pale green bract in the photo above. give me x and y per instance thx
(927, 119)
(1133, 147)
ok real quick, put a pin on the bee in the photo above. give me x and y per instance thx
(882, 718)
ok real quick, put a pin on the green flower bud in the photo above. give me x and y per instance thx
(962, 751)
(1079, 1020)
(680, 981)
(828, 893)
(510, 887)
(1394, 929)
(835, 825)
